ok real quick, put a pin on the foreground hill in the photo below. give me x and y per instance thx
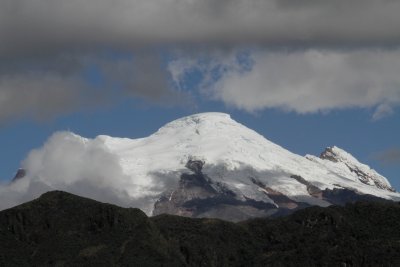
(204, 165)
(61, 229)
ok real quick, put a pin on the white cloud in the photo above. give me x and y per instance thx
(81, 166)
(303, 81)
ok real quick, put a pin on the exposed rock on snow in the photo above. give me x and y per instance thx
(204, 165)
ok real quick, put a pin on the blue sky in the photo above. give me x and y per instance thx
(125, 68)
(352, 130)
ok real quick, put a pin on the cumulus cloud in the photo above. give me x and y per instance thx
(85, 167)
(303, 81)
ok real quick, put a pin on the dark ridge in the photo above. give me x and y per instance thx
(311, 189)
(197, 196)
(202, 205)
(285, 204)
(329, 154)
(61, 229)
(342, 196)
(195, 165)
(21, 173)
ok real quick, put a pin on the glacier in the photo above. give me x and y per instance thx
(233, 158)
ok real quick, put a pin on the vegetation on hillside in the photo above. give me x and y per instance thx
(61, 229)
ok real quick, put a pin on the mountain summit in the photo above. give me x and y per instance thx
(204, 165)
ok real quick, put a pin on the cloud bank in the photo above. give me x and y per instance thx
(26, 94)
(45, 87)
(48, 46)
(49, 25)
(84, 167)
(302, 81)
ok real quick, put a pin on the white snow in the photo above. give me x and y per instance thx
(233, 154)
(352, 163)
(220, 141)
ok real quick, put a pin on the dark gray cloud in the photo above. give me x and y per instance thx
(46, 45)
(38, 95)
(43, 87)
(142, 76)
(389, 157)
(51, 25)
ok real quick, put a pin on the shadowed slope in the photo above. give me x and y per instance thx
(61, 229)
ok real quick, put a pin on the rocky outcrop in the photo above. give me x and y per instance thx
(198, 197)
(204, 165)
(21, 173)
(365, 174)
(311, 189)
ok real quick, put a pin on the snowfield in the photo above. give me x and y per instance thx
(136, 172)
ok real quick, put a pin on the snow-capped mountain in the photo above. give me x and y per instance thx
(206, 165)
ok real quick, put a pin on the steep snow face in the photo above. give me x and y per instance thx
(212, 137)
(364, 173)
(234, 155)
(236, 159)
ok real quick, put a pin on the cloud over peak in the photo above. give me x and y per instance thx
(311, 55)
(55, 24)
(81, 166)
